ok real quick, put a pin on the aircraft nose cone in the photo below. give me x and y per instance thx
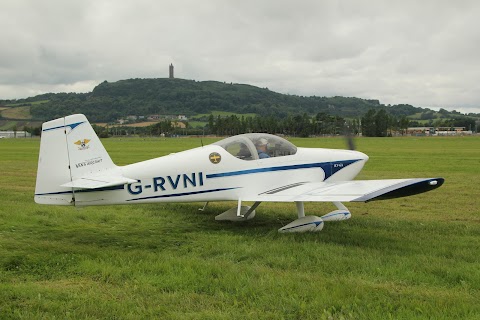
(362, 155)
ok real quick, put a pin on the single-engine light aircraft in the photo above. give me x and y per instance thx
(75, 169)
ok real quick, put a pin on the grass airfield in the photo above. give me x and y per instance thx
(415, 257)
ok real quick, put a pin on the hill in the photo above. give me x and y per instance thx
(141, 97)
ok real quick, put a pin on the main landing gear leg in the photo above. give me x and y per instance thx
(338, 215)
(303, 223)
(239, 213)
(204, 207)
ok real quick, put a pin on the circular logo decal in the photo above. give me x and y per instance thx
(215, 157)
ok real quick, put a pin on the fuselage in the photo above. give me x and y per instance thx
(211, 173)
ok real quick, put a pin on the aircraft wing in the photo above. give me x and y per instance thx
(98, 181)
(348, 191)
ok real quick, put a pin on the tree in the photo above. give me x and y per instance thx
(403, 124)
(381, 123)
(376, 124)
(368, 124)
(211, 123)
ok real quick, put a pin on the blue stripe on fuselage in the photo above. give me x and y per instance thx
(327, 167)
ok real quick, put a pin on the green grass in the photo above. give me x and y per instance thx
(19, 110)
(18, 124)
(197, 124)
(417, 116)
(406, 258)
(8, 125)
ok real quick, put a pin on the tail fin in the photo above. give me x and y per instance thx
(69, 149)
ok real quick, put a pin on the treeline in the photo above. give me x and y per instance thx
(294, 125)
(160, 128)
(381, 124)
(373, 124)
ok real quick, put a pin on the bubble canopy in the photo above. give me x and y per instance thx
(249, 146)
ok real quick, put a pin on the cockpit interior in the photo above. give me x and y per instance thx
(253, 146)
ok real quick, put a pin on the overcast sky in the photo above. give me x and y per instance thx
(425, 53)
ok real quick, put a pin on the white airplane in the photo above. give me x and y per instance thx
(75, 169)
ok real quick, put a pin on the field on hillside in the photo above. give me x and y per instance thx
(17, 117)
(223, 114)
(18, 124)
(16, 113)
(415, 257)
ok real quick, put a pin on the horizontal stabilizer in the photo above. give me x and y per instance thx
(95, 182)
(348, 191)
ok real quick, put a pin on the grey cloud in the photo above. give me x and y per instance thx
(423, 53)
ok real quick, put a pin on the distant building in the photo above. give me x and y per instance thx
(15, 134)
(420, 131)
(177, 124)
(182, 117)
(452, 131)
(440, 131)
(170, 71)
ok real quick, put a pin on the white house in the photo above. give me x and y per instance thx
(15, 134)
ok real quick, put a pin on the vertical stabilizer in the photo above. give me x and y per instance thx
(69, 149)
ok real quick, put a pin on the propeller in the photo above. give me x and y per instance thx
(348, 136)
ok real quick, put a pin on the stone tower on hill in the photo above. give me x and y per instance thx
(170, 71)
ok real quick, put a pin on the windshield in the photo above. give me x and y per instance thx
(253, 146)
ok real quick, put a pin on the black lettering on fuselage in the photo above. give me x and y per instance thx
(174, 184)
(192, 180)
(158, 183)
(137, 189)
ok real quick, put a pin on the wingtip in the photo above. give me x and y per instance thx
(415, 186)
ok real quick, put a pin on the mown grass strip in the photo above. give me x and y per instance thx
(406, 258)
